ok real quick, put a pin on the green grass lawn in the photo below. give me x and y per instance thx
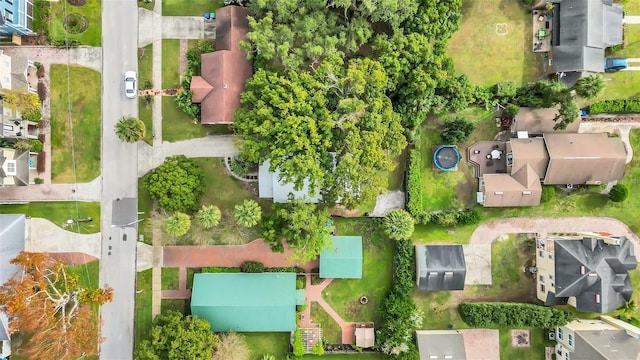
(170, 63)
(486, 57)
(631, 7)
(176, 125)
(331, 331)
(84, 98)
(88, 274)
(143, 319)
(344, 294)
(170, 278)
(147, 5)
(145, 113)
(272, 343)
(624, 84)
(179, 305)
(145, 66)
(92, 11)
(58, 212)
(189, 7)
(145, 205)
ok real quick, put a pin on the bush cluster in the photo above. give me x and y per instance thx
(414, 183)
(399, 313)
(252, 267)
(497, 314)
(615, 106)
(66, 43)
(618, 193)
(449, 218)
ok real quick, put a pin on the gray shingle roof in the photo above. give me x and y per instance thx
(440, 267)
(595, 273)
(12, 233)
(582, 30)
(441, 343)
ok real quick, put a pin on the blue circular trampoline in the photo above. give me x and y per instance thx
(446, 157)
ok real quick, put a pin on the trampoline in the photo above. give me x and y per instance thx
(446, 158)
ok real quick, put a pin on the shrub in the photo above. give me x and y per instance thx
(214, 269)
(414, 183)
(468, 216)
(398, 224)
(301, 308)
(548, 193)
(183, 98)
(448, 218)
(511, 110)
(498, 314)
(177, 184)
(38, 181)
(177, 224)
(32, 114)
(248, 213)
(615, 106)
(240, 166)
(208, 216)
(36, 145)
(301, 282)
(317, 349)
(252, 267)
(618, 193)
(298, 346)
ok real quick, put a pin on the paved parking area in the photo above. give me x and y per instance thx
(481, 344)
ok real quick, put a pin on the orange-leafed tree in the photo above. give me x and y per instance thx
(47, 302)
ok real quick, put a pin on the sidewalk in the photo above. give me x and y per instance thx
(53, 192)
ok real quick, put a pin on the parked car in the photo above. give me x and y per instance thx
(130, 84)
(615, 64)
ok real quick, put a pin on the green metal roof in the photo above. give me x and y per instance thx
(246, 302)
(343, 260)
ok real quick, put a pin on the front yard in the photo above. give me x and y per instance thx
(143, 319)
(59, 212)
(493, 43)
(177, 125)
(91, 11)
(75, 124)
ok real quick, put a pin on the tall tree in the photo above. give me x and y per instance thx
(232, 346)
(130, 129)
(398, 224)
(208, 216)
(47, 301)
(178, 337)
(176, 225)
(177, 184)
(590, 86)
(248, 213)
(303, 225)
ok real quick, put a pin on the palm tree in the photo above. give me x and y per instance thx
(208, 216)
(268, 357)
(590, 86)
(248, 213)
(398, 224)
(177, 224)
(130, 129)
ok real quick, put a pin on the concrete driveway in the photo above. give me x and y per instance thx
(45, 236)
(478, 260)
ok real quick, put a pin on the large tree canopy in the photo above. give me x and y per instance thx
(47, 301)
(300, 121)
(177, 184)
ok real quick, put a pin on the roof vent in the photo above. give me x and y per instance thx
(526, 192)
(597, 298)
(498, 193)
(582, 270)
(224, 85)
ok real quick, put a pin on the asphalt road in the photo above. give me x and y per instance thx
(119, 178)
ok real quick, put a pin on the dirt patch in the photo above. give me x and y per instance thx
(520, 339)
(77, 2)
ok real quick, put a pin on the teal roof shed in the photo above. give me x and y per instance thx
(343, 259)
(246, 302)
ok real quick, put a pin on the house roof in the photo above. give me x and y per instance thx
(440, 267)
(531, 151)
(271, 186)
(231, 27)
(584, 158)
(582, 30)
(13, 234)
(595, 273)
(540, 120)
(21, 158)
(225, 71)
(4, 328)
(343, 260)
(605, 345)
(19, 68)
(246, 302)
(523, 188)
(440, 343)
(365, 337)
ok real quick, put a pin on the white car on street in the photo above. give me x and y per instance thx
(130, 88)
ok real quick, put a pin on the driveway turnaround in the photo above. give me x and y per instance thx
(489, 231)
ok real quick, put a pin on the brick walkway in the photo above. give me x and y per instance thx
(229, 256)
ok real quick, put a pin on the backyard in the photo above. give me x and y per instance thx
(75, 105)
(493, 43)
(59, 212)
(91, 11)
(331, 331)
(344, 294)
(189, 7)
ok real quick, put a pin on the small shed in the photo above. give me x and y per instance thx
(440, 267)
(343, 259)
(365, 337)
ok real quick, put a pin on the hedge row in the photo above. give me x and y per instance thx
(448, 218)
(496, 314)
(615, 106)
(414, 183)
(252, 267)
